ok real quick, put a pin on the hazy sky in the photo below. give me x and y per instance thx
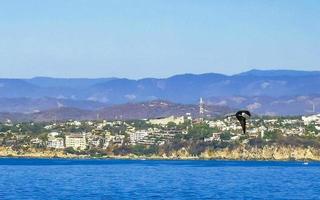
(156, 38)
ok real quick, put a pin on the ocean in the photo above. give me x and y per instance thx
(157, 179)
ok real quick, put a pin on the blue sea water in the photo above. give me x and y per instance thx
(129, 179)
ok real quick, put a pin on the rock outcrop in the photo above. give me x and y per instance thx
(264, 153)
(239, 153)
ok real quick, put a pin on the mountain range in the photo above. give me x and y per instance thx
(129, 111)
(276, 92)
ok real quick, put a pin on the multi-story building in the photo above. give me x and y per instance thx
(76, 141)
(95, 141)
(56, 143)
(166, 120)
(138, 135)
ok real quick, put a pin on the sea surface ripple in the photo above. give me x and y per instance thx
(157, 179)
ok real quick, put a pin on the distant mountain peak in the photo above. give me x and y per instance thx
(276, 72)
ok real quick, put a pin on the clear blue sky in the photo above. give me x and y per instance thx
(156, 38)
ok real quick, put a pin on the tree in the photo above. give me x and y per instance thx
(144, 150)
(311, 130)
(70, 150)
(171, 125)
(140, 124)
(225, 136)
(270, 135)
(199, 132)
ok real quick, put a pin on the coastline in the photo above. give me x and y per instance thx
(151, 159)
(267, 153)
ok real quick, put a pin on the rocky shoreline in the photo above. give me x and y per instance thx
(272, 153)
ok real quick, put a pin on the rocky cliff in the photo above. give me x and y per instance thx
(239, 153)
(253, 153)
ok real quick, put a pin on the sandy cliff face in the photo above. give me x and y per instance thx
(239, 153)
(265, 153)
(6, 151)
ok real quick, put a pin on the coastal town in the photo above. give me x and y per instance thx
(158, 136)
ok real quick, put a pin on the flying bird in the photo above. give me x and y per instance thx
(242, 116)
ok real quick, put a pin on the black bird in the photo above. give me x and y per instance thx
(242, 116)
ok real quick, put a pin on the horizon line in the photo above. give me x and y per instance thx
(169, 76)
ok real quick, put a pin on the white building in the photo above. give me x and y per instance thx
(138, 135)
(74, 123)
(76, 141)
(56, 143)
(219, 124)
(95, 141)
(214, 137)
(166, 120)
(309, 119)
(53, 134)
(36, 141)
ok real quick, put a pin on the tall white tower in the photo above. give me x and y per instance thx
(201, 107)
(313, 107)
